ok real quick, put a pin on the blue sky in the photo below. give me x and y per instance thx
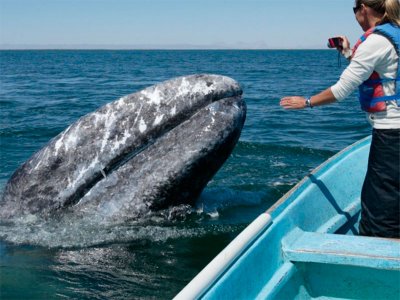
(120, 24)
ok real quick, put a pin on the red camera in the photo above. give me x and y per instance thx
(335, 42)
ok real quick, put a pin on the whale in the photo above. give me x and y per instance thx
(152, 149)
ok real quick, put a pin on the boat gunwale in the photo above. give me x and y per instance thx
(216, 268)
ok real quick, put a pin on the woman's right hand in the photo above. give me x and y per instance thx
(345, 49)
(345, 42)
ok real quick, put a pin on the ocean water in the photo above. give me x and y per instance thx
(42, 92)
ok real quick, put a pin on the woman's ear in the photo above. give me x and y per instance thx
(363, 8)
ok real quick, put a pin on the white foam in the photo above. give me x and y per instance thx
(213, 215)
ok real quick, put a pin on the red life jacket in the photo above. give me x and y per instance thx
(371, 94)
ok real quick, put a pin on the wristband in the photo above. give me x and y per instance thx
(308, 102)
(347, 53)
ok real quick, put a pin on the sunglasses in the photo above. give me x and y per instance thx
(355, 9)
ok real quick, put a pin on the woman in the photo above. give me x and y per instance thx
(374, 68)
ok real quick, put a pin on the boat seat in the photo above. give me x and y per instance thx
(380, 253)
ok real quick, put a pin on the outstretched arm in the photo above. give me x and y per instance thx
(325, 97)
(297, 102)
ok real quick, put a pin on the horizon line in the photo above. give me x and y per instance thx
(149, 49)
(146, 47)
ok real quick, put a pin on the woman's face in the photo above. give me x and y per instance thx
(361, 17)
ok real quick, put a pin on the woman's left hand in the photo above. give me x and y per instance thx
(294, 102)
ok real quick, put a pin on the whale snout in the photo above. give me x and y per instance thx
(147, 150)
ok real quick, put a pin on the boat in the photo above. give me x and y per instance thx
(306, 245)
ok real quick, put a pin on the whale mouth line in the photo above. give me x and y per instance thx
(124, 158)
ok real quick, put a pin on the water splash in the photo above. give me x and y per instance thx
(183, 221)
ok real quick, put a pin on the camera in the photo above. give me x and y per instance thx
(335, 42)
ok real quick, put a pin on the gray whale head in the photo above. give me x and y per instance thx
(148, 150)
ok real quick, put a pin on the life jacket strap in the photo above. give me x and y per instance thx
(381, 80)
(386, 98)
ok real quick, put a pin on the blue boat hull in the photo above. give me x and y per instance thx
(304, 246)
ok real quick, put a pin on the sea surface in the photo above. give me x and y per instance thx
(42, 92)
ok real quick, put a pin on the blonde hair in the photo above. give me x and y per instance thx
(390, 9)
